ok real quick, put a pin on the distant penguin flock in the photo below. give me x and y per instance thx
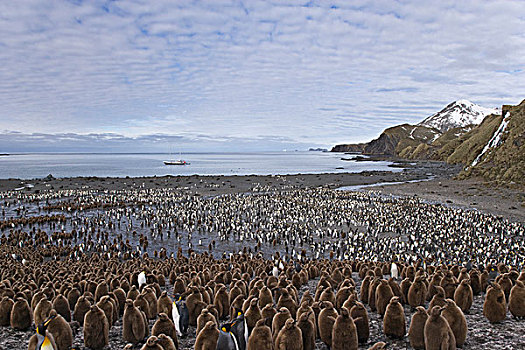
(292, 269)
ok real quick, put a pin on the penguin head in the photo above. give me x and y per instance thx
(41, 328)
(238, 312)
(227, 327)
(290, 323)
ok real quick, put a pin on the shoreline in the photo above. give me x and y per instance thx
(429, 181)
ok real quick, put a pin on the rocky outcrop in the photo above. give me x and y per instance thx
(352, 148)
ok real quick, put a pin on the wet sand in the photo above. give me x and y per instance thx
(431, 181)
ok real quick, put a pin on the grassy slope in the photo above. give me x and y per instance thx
(506, 164)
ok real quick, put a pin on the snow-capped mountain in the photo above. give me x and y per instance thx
(458, 114)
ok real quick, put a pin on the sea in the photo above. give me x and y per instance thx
(39, 165)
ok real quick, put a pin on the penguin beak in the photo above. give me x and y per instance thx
(48, 320)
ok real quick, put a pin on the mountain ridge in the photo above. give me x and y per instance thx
(493, 149)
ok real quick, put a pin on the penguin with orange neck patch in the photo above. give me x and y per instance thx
(227, 339)
(43, 340)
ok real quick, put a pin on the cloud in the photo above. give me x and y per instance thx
(308, 72)
(15, 141)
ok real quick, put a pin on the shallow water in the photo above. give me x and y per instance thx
(38, 165)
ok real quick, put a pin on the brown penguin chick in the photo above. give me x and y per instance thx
(164, 325)
(207, 338)
(133, 293)
(265, 297)
(290, 337)
(475, 282)
(96, 329)
(327, 295)
(505, 283)
(342, 295)
(152, 344)
(167, 343)
(405, 287)
(279, 320)
(463, 296)
(365, 288)
(394, 323)
(517, 300)
(438, 299)
(438, 335)
(151, 299)
(326, 321)
(81, 308)
(36, 299)
(204, 318)
(372, 293)
(253, 314)
(101, 290)
(42, 310)
(6, 305)
(221, 301)
(286, 300)
(306, 324)
(416, 332)
(133, 326)
(417, 293)
(360, 315)
(456, 320)
(121, 297)
(61, 305)
(164, 304)
(344, 334)
(383, 295)
(105, 305)
(20, 318)
(60, 330)
(495, 306)
(435, 281)
(378, 346)
(268, 312)
(396, 289)
(261, 337)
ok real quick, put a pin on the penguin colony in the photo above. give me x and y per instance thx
(78, 262)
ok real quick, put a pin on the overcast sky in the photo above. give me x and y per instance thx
(258, 75)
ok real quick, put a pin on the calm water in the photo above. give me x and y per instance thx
(37, 165)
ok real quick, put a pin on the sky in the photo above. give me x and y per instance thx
(248, 75)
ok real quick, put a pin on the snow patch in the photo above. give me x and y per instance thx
(458, 114)
(495, 140)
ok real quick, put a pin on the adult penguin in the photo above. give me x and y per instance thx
(227, 340)
(180, 312)
(239, 328)
(42, 340)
